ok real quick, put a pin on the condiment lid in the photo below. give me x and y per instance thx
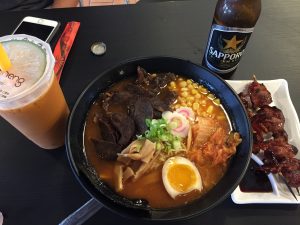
(98, 48)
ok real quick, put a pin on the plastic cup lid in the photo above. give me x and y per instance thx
(32, 61)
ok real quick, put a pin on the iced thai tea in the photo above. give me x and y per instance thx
(30, 96)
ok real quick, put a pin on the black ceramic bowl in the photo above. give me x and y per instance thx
(86, 175)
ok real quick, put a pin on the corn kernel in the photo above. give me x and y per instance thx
(204, 114)
(184, 94)
(173, 84)
(190, 98)
(181, 100)
(190, 86)
(194, 92)
(189, 81)
(196, 85)
(184, 89)
(189, 104)
(203, 90)
(210, 109)
(199, 111)
(217, 101)
(196, 106)
(176, 106)
(182, 84)
(198, 96)
(203, 102)
(211, 96)
(221, 117)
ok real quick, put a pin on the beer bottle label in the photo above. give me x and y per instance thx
(225, 47)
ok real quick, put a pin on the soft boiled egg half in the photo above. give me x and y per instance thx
(180, 176)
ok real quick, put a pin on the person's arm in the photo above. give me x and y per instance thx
(65, 3)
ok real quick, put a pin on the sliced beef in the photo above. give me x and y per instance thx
(124, 126)
(163, 79)
(107, 131)
(123, 97)
(106, 150)
(123, 111)
(153, 81)
(105, 99)
(170, 97)
(160, 105)
(142, 110)
(138, 90)
(142, 76)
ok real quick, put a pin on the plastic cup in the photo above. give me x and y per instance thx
(30, 96)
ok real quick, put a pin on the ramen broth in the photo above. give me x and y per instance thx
(150, 186)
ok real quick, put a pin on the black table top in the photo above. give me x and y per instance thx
(37, 186)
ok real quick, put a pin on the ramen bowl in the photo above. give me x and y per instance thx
(138, 208)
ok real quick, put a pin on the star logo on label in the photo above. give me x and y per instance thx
(232, 43)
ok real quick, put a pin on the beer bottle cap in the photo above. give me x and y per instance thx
(98, 48)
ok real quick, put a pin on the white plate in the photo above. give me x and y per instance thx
(281, 99)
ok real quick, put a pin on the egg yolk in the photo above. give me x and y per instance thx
(181, 177)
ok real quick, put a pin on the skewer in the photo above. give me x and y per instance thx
(283, 178)
(288, 186)
(298, 191)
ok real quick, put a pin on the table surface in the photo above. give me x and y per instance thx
(38, 187)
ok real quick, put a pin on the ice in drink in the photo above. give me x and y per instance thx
(30, 96)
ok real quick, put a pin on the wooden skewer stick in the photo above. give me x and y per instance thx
(298, 191)
(288, 186)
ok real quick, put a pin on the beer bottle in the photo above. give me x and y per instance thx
(232, 26)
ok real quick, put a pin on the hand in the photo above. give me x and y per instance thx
(65, 3)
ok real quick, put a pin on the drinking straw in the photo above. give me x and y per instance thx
(5, 63)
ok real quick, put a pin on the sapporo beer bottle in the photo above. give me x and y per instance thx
(232, 26)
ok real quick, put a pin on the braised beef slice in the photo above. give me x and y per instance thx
(105, 98)
(124, 125)
(122, 97)
(142, 76)
(159, 105)
(170, 97)
(107, 131)
(142, 99)
(106, 150)
(138, 90)
(153, 82)
(142, 110)
(162, 79)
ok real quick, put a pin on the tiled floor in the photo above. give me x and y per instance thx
(107, 2)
